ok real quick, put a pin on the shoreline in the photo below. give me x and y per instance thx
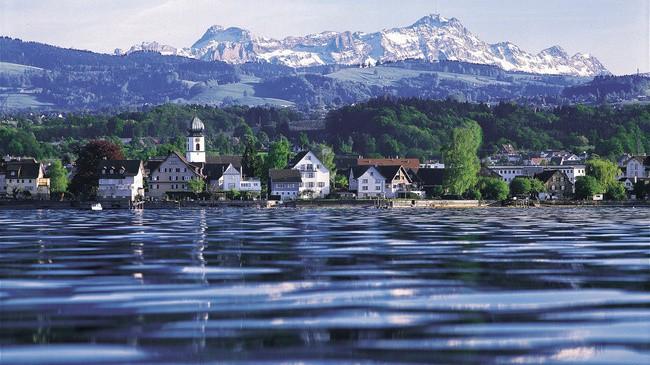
(329, 204)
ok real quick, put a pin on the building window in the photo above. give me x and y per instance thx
(365, 181)
(378, 187)
(321, 184)
(364, 188)
(198, 147)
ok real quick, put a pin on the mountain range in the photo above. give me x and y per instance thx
(431, 38)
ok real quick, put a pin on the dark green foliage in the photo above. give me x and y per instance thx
(419, 128)
(85, 181)
(587, 186)
(461, 159)
(493, 188)
(520, 186)
(58, 177)
(610, 88)
(279, 153)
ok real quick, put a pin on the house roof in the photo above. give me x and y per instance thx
(359, 170)
(545, 176)
(197, 124)
(23, 169)
(644, 160)
(225, 159)
(487, 172)
(284, 175)
(215, 171)
(294, 161)
(389, 172)
(431, 177)
(118, 169)
(410, 163)
(152, 164)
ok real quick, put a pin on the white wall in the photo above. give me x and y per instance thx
(371, 184)
(315, 176)
(129, 187)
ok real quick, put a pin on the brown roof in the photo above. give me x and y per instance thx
(225, 160)
(408, 163)
(284, 175)
(23, 169)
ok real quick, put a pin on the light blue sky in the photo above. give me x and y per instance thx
(615, 31)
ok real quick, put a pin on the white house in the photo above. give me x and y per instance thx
(369, 182)
(379, 181)
(284, 184)
(637, 166)
(315, 176)
(571, 171)
(24, 178)
(121, 180)
(508, 173)
(226, 177)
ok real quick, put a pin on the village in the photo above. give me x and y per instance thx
(196, 176)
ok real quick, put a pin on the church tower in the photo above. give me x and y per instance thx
(195, 142)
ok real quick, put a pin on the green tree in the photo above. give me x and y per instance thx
(326, 155)
(606, 172)
(252, 162)
(587, 186)
(536, 187)
(197, 186)
(461, 158)
(341, 181)
(493, 188)
(278, 156)
(521, 186)
(303, 140)
(641, 189)
(58, 178)
(616, 192)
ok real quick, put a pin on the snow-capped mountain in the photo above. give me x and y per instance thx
(431, 38)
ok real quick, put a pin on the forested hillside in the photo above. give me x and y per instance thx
(379, 127)
(419, 128)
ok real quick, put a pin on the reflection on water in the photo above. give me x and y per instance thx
(326, 286)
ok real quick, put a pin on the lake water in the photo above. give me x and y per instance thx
(482, 286)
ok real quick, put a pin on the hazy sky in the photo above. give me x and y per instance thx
(615, 31)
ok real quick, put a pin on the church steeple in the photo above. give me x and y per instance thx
(195, 141)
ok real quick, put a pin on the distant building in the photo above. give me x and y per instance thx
(284, 184)
(195, 147)
(557, 184)
(226, 177)
(637, 166)
(368, 182)
(431, 180)
(121, 180)
(315, 176)
(172, 176)
(24, 178)
(508, 173)
(379, 181)
(432, 165)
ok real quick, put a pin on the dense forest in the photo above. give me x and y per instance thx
(611, 89)
(380, 127)
(420, 128)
